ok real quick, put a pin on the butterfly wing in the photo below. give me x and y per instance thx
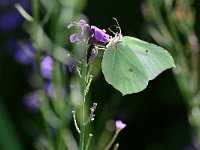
(123, 70)
(130, 63)
(155, 59)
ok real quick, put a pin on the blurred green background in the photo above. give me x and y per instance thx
(156, 117)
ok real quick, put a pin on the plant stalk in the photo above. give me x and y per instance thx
(112, 140)
(35, 10)
(84, 83)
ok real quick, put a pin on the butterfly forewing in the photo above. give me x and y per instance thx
(154, 58)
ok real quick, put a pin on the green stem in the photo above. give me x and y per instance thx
(35, 4)
(159, 22)
(172, 26)
(35, 10)
(88, 142)
(61, 145)
(51, 143)
(55, 22)
(112, 140)
(82, 135)
(84, 82)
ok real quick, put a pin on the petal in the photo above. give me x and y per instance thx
(68, 66)
(99, 34)
(84, 26)
(22, 51)
(31, 101)
(106, 38)
(82, 22)
(85, 30)
(74, 38)
(120, 125)
(47, 67)
(70, 25)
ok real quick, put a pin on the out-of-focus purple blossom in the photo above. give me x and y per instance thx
(84, 27)
(93, 33)
(99, 35)
(32, 101)
(93, 55)
(10, 18)
(74, 38)
(82, 24)
(68, 66)
(120, 125)
(47, 67)
(22, 51)
(49, 89)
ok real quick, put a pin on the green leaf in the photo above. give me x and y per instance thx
(129, 63)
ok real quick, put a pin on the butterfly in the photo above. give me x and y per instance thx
(129, 63)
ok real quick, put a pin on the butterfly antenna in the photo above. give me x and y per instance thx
(111, 29)
(118, 26)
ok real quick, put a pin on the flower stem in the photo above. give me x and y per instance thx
(112, 140)
(36, 17)
(84, 83)
(88, 142)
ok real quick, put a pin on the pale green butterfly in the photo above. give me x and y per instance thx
(129, 63)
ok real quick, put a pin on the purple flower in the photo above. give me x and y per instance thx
(47, 67)
(74, 38)
(84, 27)
(93, 33)
(82, 24)
(120, 125)
(68, 66)
(22, 51)
(32, 101)
(99, 35)
(49, 89)
(11, 18)
(93, 55)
